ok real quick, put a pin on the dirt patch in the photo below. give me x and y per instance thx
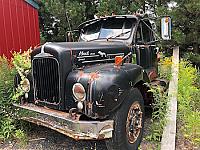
(41, 138)
(181, 142)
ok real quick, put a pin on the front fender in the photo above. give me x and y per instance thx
(106, 86)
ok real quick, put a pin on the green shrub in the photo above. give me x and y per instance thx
(159, 114)
(22, 64)
(164, 68)
(21, 136)
(193, 57)
(188, 102)
(7, 73)
(8, 69)
(160, 102)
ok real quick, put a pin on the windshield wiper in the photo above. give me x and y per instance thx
(111, 37)
(114, 36)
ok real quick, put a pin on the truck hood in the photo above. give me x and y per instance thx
(86, 52)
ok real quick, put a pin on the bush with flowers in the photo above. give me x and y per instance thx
(18, 64)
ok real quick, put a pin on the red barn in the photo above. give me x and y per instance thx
(19, 25)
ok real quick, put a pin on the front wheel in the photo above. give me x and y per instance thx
(128, 123)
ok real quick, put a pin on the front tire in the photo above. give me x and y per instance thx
(128, 123)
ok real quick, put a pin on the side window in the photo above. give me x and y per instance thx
(146, 32)
(139, 34)
(91, 32)
(152, 36)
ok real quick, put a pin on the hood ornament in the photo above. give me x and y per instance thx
(42, 48)
(102, 54)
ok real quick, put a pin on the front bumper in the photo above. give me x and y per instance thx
(63, 123)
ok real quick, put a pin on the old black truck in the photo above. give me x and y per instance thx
(94, 88)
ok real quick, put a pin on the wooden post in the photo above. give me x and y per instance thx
(169, 133)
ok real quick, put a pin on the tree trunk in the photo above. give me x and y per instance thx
(64, 6)
(159, 3)
(144, 6)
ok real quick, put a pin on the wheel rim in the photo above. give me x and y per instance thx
(134, 122)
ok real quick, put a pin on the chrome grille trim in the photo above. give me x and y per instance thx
(46, 80)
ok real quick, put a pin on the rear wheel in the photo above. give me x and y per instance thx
(128, 123)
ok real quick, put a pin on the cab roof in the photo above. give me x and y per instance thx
(107, 17)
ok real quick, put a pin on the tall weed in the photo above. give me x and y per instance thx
(159, 114)
(164, 68)
(8, 69)
(160, 102)
(22, 64)
(7, 73)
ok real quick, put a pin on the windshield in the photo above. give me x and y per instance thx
(112, 28)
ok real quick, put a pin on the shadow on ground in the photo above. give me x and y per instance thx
(41, 138)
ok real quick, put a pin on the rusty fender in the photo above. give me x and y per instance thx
(62, 122)
(106, 87)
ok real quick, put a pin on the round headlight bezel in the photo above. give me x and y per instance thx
(77, 95)
(25, 85)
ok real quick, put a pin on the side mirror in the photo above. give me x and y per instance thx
(166, 28)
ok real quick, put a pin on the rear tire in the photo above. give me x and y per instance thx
(128, 123)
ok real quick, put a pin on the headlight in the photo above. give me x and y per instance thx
(79, 92)
(25, 85)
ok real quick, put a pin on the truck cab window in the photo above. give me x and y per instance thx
(138, 35)
(112, 28)
(145, 33)
(90, 32)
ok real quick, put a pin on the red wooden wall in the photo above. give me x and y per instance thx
(19, 26)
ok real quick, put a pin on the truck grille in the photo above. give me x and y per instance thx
(46, 79)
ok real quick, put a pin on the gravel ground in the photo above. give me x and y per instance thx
(41, 138)
(181, 142)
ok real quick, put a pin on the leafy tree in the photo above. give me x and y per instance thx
(186, 21)
(46, 21)
(90, 8)
(59, 16)
(106, 7)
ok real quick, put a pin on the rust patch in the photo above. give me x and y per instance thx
(94, 75)
(80, 73)
(152, 75)
(89, 104)
(63, 123)
(91, 76)
(73, 114)
(117, 67)
(101, 136)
